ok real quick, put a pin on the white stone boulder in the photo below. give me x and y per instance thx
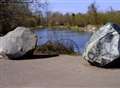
(17, 43)
(104, 45)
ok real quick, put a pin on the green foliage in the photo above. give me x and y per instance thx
(18, 14)
(54, 48)
(92, 17)
(15, 14)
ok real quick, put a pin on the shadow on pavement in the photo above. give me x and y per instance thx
(114, 64)
(35, 57)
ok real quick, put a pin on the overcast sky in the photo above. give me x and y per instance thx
(81, 5)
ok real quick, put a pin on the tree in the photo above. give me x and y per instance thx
(12, 14)
(15, 13)
(92, 11)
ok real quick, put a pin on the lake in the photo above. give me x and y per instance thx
(77, 39)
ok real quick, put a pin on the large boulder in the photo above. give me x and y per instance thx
(17, 42)
(104, 45)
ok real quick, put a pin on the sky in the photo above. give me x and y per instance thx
(76, 6)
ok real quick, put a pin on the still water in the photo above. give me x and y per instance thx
(78, 39)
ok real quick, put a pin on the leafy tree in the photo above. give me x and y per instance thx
(15, 13)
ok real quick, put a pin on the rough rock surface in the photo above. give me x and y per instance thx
(17, 42)
(104, 45)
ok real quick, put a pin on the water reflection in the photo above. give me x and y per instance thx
(79, 38)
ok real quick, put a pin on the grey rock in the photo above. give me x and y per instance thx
(104, 45)
(17, 42)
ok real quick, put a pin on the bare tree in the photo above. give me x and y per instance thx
(92, 10)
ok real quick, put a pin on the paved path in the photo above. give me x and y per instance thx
(56, 72)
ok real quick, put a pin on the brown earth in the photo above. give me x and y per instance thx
(56, 72)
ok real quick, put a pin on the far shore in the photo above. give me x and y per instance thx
(88, 28)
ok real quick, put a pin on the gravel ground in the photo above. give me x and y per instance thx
(56, 72)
